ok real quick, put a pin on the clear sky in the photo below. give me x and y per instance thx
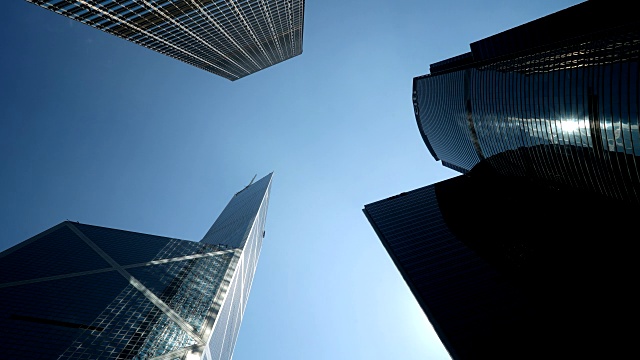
(102, 131)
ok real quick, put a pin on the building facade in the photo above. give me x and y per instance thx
(522, 256)
(556, 99)
(229, 38)
(78, 291)
(507, 268)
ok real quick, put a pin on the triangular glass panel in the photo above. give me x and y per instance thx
(57, 253)
(56, 309)
(188, 287)
(130, 327)
(127, 247)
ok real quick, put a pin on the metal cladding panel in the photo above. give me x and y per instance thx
(224, 332)
(227, 326)
(231, 38)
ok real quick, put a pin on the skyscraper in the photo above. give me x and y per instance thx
(507, 268)
(517, 257)
(229, 38)
(78, 291)
(555, 98)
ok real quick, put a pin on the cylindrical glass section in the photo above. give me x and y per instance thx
(439, 103)
(575, 126)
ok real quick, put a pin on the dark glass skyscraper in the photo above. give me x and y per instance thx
(556, 99)
(523, 256)
(78, 291)
(230, 38)
(507, 268)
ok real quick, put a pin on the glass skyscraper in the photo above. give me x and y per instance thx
(527, 254)
(508, 268)
(556, 99)
(78, 291)
(231, 38)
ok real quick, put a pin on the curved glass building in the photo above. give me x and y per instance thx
(555, 99)
(520, 257)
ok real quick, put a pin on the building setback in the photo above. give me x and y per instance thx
(78, 291)
(556, 99)
(229, 38)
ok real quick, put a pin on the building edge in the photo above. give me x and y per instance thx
(423, 305)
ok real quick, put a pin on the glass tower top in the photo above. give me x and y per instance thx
(78, 291)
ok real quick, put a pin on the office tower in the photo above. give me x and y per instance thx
(78, 291)
(507, 268)
(524, 255)
(229, 38)
(556, 99)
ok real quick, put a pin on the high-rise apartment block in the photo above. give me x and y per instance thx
(524, 255)
(229, 38)
(78, 291)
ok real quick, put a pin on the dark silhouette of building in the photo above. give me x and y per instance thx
(527, 254)
(507, 268)
(78, 291)
(228, 38)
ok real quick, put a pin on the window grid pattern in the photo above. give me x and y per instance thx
(439, 104)
(139, 297)
(577, 127)
(188, 287)
(235, 222)
(116, 243)
(230, 38)
(53, 312)
(538, 263)
(605, 47)
(225, 333)
(133, 326)
(568, 116)
(34, 260)
(457, 289)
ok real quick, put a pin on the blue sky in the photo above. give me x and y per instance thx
(102, 131)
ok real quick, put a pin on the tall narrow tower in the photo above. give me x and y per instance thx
(78, 291)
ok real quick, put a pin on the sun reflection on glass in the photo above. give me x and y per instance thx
(570, 125)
